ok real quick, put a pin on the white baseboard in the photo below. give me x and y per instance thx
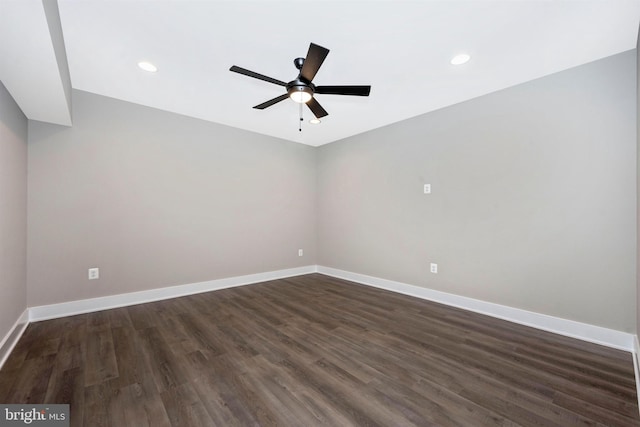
(45, 312)
(11, 339)
(583, 331)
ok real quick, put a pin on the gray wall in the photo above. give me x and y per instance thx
(155, 199)
(13, 212)
(638, 186)
(533, 203)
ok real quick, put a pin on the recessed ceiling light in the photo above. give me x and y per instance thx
(314, 121)
(460, 59)
(147, 66)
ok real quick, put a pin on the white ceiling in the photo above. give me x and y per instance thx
(33, 66)
(401, 48)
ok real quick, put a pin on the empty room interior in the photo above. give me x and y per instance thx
(319, 213)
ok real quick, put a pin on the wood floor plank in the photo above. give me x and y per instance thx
(99, 409)
(69, 389)
(31, 382)
(184, 407)
(224, 401)
(166, 369)
(142, 408)
(315, 350)
(100, 363)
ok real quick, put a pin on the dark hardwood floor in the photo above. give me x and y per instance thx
(314, 350)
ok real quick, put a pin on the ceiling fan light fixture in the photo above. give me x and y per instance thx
(300, 94)
(314, 121)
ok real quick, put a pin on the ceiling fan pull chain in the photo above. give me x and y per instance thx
(300, 123)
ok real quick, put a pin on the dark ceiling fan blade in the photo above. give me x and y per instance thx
(313, 61)
(344, 90)
(316, 108)
(270, 102)
(255, 75)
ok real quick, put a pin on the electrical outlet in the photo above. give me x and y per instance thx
(300, 252)
(427, 189)
(434, 268)
(94, 273)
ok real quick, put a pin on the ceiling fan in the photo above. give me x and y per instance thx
(301, 89)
